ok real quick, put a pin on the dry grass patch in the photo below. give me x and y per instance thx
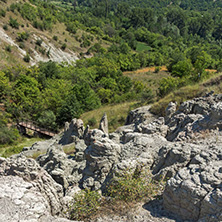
(116, 115)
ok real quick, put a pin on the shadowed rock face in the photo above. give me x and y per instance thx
(27, 192)
(104, 124)
(184, 147)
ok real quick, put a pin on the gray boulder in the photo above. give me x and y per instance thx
(140, 115)
(72, 131)
(64, 169)
(100, 157)
(28, 193)
(195, 192)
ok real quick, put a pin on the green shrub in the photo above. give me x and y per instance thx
(13, 23)
(21, 45)
(86, 204)
(147, 96)
(131, 186)
(2, 13)
(26, 58)
(55, 38)
(38, 42)
(167, 85)
(22, 36)
(5, 27)
(157, 69)
(8, 48)
(8, 135)
(182, 68)
(63, 47)
(47, 119)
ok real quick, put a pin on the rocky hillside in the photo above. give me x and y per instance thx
(31, 32)
(184, 147)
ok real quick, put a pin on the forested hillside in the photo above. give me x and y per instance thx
(108, 37)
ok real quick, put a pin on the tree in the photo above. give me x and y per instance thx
(47, 119)
(182, 68)
(4, 86)
(26, 96)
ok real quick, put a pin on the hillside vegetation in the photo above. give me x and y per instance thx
(83, 52)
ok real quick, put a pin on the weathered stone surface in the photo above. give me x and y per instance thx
(27, 192)
(184, 147)
(72, 131)
(171, 109)
(195, 192)
(40, 147)
(64, 170)
(104, 124)
(100, 155)
(139, 115)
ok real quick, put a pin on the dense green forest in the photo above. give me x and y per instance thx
(186, 36)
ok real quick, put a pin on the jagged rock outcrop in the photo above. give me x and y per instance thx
(195, 193)
(64, 169)
(104, 124)
(72, 131)
(100, 155)
(184, 147)
(139, 115)
(27, 192)
(40, 147)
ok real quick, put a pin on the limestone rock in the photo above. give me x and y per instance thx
(72, 131)
(63, 169)
(139, 115)
(100, 157)
(104, 124)
(195, 192)
(27, 192)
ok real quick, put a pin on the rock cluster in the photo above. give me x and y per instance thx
(28, 193)
(183, 147)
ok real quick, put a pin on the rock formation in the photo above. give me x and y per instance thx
(183, 147)
(28, 193)
(104, 124)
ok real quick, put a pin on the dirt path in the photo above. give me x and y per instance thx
(146, 69)
(162, 68)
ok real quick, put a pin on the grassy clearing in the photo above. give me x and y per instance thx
(148, 77)
(17, 148)
(142, 47)
(188, 92)
(116, 115)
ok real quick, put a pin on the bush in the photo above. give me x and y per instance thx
(167, 85)
(86, 204)
(182, 68)
(47, 119)
(38, 42)
(147, 96)
(13, 23)
(131, 186)
(22, 36)
(55, 38)
(63, 47)
(5, 27)
(8, 135)
(26, 58)
(21, 45)
(157, 69)
(8, 48)
(2, 13)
